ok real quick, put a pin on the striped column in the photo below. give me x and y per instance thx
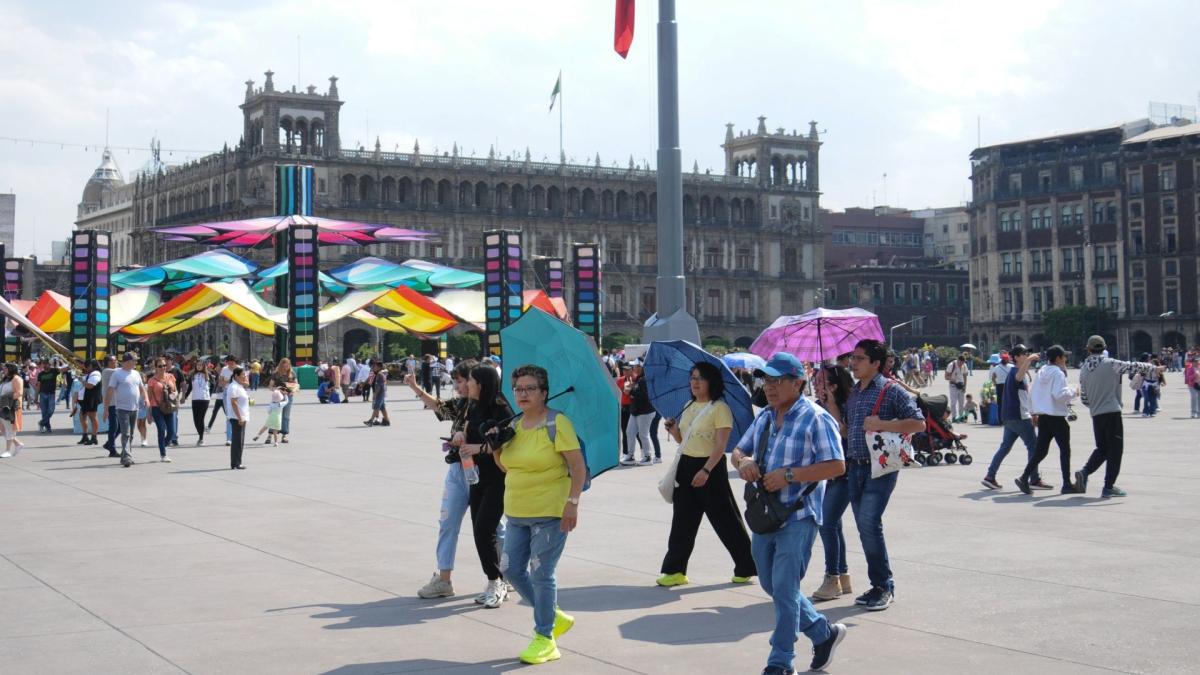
(14, 287)
(587, 309)
(298, 290)
(502, 286)
(550, 275)
(89, 294)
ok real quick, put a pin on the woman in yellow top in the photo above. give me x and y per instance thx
(702, 481)
(543, 480)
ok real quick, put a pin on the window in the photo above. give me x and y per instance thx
(1171, 268)
(1037, 301)
(1006, 263)
(1014, 183)
(1079, 258)
(1101, 298)
(951, 293)
(1166, 177)
(1097, 212)
(1108, 172)
(649, 300)
(1170, 239)
(1112, 257)
(1048, 261)
(1068, 296)
(1018, 261)
(1049, 293)
(1137, 271)
(914, 292)
(1078, 214)
(945, 228)
(648, 252)
(1035, 219)
(1135, 209)
(1114, 300)
(712, 257)
(1019, 300)
(1076, 173)
(1168, 206)
(1137, 241)
(1135, 183)
(1172, 297)
(1067, 260)
(745, 260)
(952, 325)
(1110, 212)
(1004, 227)
(854, 293)
(1035, 260)
(712, 303)
(1099, 266)
(898, 293)
(745, 304)
(1016, 221)
(931, 293)
(616, 297)
(1065, 220)
(1008, 301)
(1139, 302)
(1044, 181)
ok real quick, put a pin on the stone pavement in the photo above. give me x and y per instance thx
(308, 562)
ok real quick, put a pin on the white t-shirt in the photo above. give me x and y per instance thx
(126, 386)
(200, 390)
(226, 378)
(235, 395)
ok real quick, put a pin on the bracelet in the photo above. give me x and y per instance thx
(705, 470)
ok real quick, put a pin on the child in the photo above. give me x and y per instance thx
(379, 395)
(274, 416)
(970, 409)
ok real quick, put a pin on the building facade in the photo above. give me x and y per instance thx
(881, 237)
(934, 299)
(947, 235)
(1105, 218)
(8, 223)
(753, 248)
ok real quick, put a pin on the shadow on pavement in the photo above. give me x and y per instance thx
(710, 625)
(424, 665)
(389, 613)
(611, 598)
(111, 464)
(1078, 501)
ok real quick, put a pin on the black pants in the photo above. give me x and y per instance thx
(654, 435)
(199, 408)
(235, 445)
(110, 444)
(1051, 428)
(1000, 400)
(1110, 445)
(487, 507)
(714, 500)
(218, 405)
(625, 413)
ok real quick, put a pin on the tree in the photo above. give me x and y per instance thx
(1071, 326)
(617, 341)
(365, 352)
(717, 345)
(400, 345)
(464, 346)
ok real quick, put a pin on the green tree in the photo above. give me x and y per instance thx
(365, 352)
(463, 346)
(617, 340)
(1070, 326)
(717, 345)
(401, 344)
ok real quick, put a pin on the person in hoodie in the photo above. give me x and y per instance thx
(1100, 391)
(1051, 399)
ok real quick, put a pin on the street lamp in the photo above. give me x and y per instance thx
(892, 332)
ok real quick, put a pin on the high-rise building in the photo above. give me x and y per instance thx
(8, 222)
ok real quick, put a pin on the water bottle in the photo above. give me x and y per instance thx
(470, 470)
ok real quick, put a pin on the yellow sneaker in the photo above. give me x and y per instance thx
(540, 650)
(676, 579)
(740, 580)
(563, 622)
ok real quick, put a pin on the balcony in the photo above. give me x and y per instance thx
(1031, 191)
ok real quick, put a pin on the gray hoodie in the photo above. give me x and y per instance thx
(1100, 381)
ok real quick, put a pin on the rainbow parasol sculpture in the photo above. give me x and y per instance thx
(255, 231)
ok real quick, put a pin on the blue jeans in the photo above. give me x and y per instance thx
(869, 499)
(112, 429)
(782, 557)
(125, 421)
(165, 426)
(1151, 406)
(1014, 429)
(46, 403)
(286, 425)
(539, 541)
(837, 498)
(455, 499)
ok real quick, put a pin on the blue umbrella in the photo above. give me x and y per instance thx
(572, 361)
(744, 360)
(668, 369)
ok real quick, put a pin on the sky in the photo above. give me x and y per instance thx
(897, 88)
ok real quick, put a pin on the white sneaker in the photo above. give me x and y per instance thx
(143, 443)
(657, 459)
(482, 597)
(17, 450)
(644, 461)
(497, 593)
(199, 442)
(5, 455)
(436, 588)
(165, 459)
(627, 460)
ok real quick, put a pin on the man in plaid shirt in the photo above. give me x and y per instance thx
(802, 446)
(898, 413)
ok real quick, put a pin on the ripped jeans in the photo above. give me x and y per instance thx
(456, 496)
(531, 552)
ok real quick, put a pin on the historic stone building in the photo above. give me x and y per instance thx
(753, 248)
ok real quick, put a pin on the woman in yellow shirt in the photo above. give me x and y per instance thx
(542, 484)
(702, 481)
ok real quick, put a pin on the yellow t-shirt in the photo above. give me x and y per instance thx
(537, 483)
(700, 444)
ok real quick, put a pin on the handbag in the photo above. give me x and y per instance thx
(889, 450)
(167, 403)
(667, 484)
(765, 512)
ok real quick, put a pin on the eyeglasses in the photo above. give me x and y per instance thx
(772, 381)
(695, 378)
(525, 390)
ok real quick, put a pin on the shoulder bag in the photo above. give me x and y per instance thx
(667, 484)
(765, 511)
(889, 450)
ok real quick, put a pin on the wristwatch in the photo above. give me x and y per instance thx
(787, 474)
(573, 500)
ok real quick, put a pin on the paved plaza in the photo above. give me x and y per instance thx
(308, 562)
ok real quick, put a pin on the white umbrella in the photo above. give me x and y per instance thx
(968, 346)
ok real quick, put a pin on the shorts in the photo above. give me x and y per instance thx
(90, 404)
(379, 403)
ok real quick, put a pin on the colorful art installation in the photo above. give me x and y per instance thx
(553, 306)
(587, 290)
(51, 312)
(253, 232)
(90, 294)
(14, 286)
(18, 317)
(502, 284)
(186, 272)
(304, 295)
(550, 278)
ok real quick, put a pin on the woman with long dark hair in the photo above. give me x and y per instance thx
(486, 497)
(10, 404)
(832, 387)
(702, 481)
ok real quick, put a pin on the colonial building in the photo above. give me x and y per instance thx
(753, 248)
(947, 235)
(934, 299)
(1105, 217)
(882, 236)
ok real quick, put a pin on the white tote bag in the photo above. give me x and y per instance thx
(667, 484)
(889, 450)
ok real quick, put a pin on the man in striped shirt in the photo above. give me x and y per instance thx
(798, 444)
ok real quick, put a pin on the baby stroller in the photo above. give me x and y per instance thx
(938, 441)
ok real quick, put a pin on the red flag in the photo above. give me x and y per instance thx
(623, 33)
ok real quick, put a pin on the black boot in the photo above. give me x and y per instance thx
(83, 440)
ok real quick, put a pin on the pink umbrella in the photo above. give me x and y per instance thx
(818, 334)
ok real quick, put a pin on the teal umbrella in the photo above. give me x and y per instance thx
(573, 363)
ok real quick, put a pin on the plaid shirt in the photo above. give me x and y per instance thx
(809, 435)
(897, 405)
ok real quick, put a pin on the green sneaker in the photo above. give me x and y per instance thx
(740, 580)
(563, 622)
(540, 650)
(676, 579)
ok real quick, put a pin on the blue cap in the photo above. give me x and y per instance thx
(994, 359)
(782, 364)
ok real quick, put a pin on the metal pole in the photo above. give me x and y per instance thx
(672, 320)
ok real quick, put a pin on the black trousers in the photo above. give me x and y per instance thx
(625, 413)
(1110, 445)
(218, 405)
(654, 435)
(199, 408)
(236, 444)
(714, 500)
(1051, 428)
(487, 507)
(1000, 398)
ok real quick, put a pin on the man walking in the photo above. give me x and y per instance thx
(797, 444)
(957, 374)
(1100, 391)
(874, 405)
(1050, 399)
(1017, 415)
(47, 381)
(125, 391)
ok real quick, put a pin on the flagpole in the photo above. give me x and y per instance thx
(560, 116)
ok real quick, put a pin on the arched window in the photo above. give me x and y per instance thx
(444, 192)
(517, 200)
(481, 195)
(791, 261)
(553, 200)
(404, 190)
(349, 184)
